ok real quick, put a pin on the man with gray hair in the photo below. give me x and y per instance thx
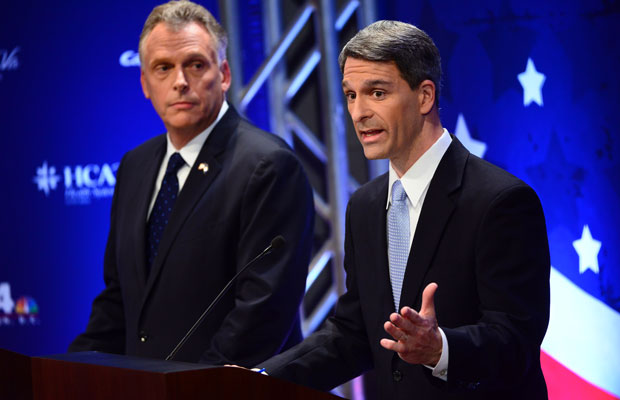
(195, 205)
(446, 255)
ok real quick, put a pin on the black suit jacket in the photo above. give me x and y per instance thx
(481, 237)
(254, 190)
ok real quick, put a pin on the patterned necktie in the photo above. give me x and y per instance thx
(398, 239)
(163, 206)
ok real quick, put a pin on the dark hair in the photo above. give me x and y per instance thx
(413, 51)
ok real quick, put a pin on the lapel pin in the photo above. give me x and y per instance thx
(204, 167)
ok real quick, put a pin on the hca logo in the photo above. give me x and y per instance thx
(81, 182)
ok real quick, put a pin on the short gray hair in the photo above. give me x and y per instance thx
(178, 13)
(413, 51)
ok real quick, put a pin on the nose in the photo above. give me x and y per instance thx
(359, 110)
(180, 81)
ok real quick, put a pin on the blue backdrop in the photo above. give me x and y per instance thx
(71, 105)
(530, 86)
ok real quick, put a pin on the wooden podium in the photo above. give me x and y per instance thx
(93, 375)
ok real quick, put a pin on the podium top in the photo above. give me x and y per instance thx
(126, 362)
(102, 376)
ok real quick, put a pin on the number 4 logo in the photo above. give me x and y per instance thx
(6, 301)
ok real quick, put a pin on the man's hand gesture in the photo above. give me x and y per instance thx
(416, 334)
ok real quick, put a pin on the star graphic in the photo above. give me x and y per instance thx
(532, 82)
(587, 247)
(476, 147)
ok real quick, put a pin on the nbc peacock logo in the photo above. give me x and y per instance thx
(24, 311)
(27, 311)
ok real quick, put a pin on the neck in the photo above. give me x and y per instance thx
(180, 138)
(431, 131)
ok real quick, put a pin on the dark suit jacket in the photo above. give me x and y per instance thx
(481, 236)
(254, 190)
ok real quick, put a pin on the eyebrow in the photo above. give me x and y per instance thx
(370, 83)
(188, 58)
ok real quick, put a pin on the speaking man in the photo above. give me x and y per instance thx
(446, 255)
(191, 207)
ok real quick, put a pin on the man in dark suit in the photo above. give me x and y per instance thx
(443, 232)
(192, 207)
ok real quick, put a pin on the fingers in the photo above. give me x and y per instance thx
(407, 322)
(398, 345)
(428, 300)
(411, 315)
(392, 345)
(416, 336)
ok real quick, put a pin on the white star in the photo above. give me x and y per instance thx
(462, 133)
(532, 82)
(587, 248)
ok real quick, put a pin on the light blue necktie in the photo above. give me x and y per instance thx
(398, 239)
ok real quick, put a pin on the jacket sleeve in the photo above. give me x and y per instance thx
(106, 327)
(337, 352)
(277, 200)
(512, 269)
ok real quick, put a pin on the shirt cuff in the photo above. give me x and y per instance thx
(260, 371)
(441, 369)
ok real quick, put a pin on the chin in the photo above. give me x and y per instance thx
(184, 123)
(373, 155)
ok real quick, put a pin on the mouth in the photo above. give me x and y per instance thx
(182, 105)
(370, 134)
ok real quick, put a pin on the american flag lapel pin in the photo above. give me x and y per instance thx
(204, 167)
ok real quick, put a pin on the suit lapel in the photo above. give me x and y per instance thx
(143, 201)
(436, 211)
(197, 183)
(380, 254)
(370, 240)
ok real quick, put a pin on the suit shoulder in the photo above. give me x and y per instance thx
(490, 176)
(372, 189)
(487, 183)
(146, 149)
(253, 147)
(252, 139)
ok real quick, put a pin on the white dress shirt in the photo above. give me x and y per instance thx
(189, 152)
(416, 182)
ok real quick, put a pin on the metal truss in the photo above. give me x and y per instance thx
(332, 151)
(326, 21)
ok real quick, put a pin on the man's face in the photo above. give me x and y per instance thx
(384, 109)
(182, 77)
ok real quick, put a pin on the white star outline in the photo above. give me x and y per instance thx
(587, 248)
(532, 82)
(461, 132)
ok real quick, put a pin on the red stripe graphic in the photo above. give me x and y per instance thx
(563, 384)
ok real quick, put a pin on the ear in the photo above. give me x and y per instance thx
(426, 96)
(145, 88)
(225, 74)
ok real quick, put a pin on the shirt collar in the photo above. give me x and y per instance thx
(190, 151)
(419, 175)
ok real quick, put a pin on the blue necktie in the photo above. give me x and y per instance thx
(398, 239)
(163, 206)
